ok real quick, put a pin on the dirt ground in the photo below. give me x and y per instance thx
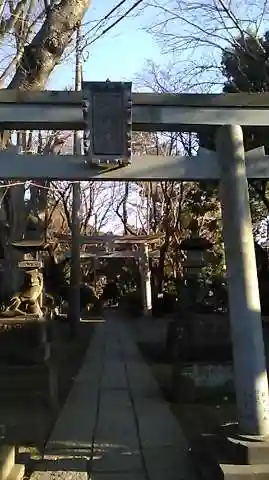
(26, 416)
(202, 416)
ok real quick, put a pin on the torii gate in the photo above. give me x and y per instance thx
(107, 112)
(143, 254)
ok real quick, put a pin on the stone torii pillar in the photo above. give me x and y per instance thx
(250, 373)
(146, 280)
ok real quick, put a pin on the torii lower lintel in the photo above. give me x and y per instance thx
(204, 166)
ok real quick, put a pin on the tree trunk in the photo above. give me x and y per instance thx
(124, 208)
(163, 253)
(47, 47)
(38, 61)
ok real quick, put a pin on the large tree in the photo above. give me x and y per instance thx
(195, 33)
(34, 36)
(44, 51)
(245, 67)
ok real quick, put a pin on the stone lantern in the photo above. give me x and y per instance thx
(195, 248)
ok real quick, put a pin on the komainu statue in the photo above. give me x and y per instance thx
(27, 300)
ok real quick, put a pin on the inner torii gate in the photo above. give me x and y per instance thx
(107, 113)
(143, 254)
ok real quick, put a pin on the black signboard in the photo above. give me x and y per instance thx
(108, 122)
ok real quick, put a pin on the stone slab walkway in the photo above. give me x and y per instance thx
(115, 423)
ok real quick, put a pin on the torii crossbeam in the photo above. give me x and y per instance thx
(123, 112)
(62, 110)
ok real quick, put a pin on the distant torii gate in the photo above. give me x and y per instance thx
(143, 254)
(107, 113)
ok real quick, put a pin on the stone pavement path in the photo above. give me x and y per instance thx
(115, 423)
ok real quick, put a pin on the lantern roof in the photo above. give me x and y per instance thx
(31, 245)
(195, 243)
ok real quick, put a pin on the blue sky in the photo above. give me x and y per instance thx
(119, 55)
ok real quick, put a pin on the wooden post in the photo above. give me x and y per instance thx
(74, 297)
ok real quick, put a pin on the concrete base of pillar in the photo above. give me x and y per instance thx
(244, 472)
(248, 450)
(228, 455)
